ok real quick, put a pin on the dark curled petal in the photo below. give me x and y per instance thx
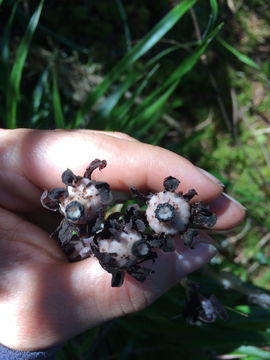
(140, 273)
(188, 237)
(97, 227)
(211, 310)
(193, 308)
(69, 248)
(211, 220)
(136, 216)
(163, 242)
(202, 308)
(139, 225)
(117, 278)
(104, 191)
(202, 216)
(168, 244)
(137, 194)
(68, 178)
(106, 260)
(56, 194)
(113, 226)
(115, 216)
(259, 298)
(101, 164)
(207, 312)
(221, 311)
(131, 212)
(190, 194)
(151, 256)
(171, 183)
(204, 220)
(65, 232)
(109, 264)
(47, 202)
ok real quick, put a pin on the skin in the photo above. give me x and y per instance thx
(44, 300)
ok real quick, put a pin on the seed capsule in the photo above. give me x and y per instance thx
(121, 247)
(83, 200)
(168, 212)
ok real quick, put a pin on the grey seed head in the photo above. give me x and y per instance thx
(74, 211)
(165, 212)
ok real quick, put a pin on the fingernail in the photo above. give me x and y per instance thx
(207, 248)
(237, 203)
(211, 177)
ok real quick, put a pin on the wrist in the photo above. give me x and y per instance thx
(11, 354)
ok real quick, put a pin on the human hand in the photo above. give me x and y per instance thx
(44, 299)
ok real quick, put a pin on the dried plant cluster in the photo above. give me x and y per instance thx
(122, 241)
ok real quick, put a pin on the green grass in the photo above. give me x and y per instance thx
(192, 78)
(15, 72)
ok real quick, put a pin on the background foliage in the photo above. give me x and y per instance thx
(185, 75)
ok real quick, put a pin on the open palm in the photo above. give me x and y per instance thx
(44, 299)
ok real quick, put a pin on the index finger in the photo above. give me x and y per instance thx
(40, 157)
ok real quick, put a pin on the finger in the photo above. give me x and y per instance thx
(192, 259)
(229, 212)
(47, 153)
(116, 134)
(42, 156)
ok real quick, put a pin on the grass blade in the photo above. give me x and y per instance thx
(4, 69)
(253, 351)
(38, 106)
(13, 91)
(119, 113)
(122, 110)
(188, 63)
(39, 90)
(125, 23)
(137, 52)
(148, 112)
(57, 105)
(243, 58)
(111, 101)
(212, 19)
(151, 114)
(214, 10)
